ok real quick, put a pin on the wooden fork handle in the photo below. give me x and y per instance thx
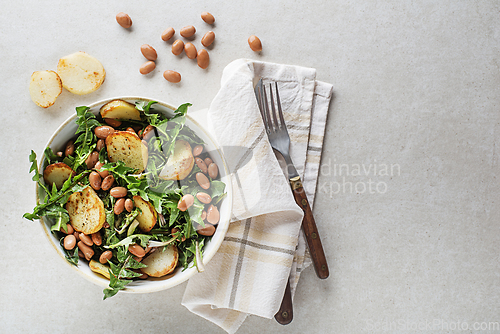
(285, 313)
(310, 230)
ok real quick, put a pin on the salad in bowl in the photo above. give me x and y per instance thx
(133, 193)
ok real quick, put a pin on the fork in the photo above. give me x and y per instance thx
(280, 142)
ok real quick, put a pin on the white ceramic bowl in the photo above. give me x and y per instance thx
(67, 130)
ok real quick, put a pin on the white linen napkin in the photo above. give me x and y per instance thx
(264, 245)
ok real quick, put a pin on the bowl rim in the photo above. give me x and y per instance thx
(170, 280)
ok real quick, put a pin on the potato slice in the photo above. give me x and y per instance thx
(81, 73)
(118, 109)
(45, 87)
(180, 163)
(57, 173)
(147, 218)
(86, 211)
(161, 262)
(99, 268)
(127, 147)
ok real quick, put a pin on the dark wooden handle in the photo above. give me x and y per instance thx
(285, 313)
(310, 230)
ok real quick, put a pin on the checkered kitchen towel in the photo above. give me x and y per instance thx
(264, 244)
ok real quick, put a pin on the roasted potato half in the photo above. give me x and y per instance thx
(180, 163)
(119, 109)
(147, 217)
(99, 268)
(45, 87)
(127, 147)
(161, 262)
(80, 73)
(57, 173)
(86, 211)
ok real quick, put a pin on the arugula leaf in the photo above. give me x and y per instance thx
(86, 141)
(34, 166)
(50, 156)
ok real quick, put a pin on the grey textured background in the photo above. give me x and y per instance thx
(416, 86)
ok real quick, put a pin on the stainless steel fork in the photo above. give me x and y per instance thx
(280, 142)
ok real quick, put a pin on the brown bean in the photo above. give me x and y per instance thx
(167, 34)
(204, 197)
(208, 230)
(172, 76)
(201, 164)
(86, 239)
(80, 254)
(185, 202)
(92, 159)
(70, 148)
(100, 145)
(187, 31)
(107, 182)
(197, 150)
(102, 173)
(112, 122)
(255, 43)
(86, 250)
(190, 50)
(203, 215)
(129, 205)
(124, 20)
(105, 256)
(60, 154)
(138, 259)
(147, 67)
(213, 170)
(119, 206)
(202, 180)
(208, 38)
(148, 132)
(103, 131)
(207, 17)
(70, 229)
(118, 192)
(105, 225)
(149, 52)
(136, 250)
(177, 47)
(203, 58)
(213, 215)
(130, 129)
(208, 161)
(69, 242)
(77, 235)
(95, 180)
(97, 238)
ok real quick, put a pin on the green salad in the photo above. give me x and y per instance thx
(134, 194)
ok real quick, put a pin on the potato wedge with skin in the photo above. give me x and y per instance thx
(86, 211)
(180, 163)
(127, 147)
(57, 173)
(148, 216)
(119, 109)
(161, 262)
(45, 87)
(99, 268)
(80, 73)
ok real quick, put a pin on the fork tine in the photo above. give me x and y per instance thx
(269, 125)
(282, 120)
(276, 124)
(261, 104)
